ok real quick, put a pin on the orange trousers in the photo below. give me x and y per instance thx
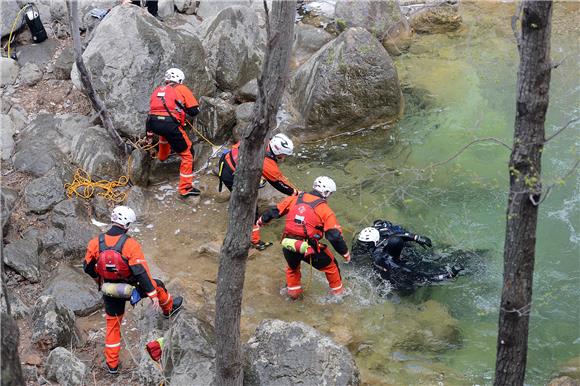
(323, 261)
(114, 310)
(186, 167)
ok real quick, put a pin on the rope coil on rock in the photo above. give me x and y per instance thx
(84, 187)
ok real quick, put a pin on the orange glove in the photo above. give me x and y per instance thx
(346, 257)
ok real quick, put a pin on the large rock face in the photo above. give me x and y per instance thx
(53, 325)
(8, 11)
(351, 82)
(307, 40)
(8, 199)
(43, 193)
(382, 18)
(72, 217)
(11, 370)
(66, 281)
(126, 70)
(22, 256)
(216, 118)
(235, 44)
(282, 353)
(100, 160)
(189, 353)
(65, 368)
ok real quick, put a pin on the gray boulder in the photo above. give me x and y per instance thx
(245, 112)
(140, 167)
(18, 309)
(189, 353)
(8, 70)
(64, 367)
(53, 325)
(125, 71)
(307, 41)
(39, 54)
(8, 199)
(283, 353)
(137, 201)
(235, 44)
(64, 63)
(248, 92)
(59, 11)
(94, 150)
(43, 193)
(216, 118)
(351, 82)
(71, 216)
(8, 11)
(208, 8)
(100, 209)
(66, 281)
(30, 74)
(18, 116)
(381, 18)
(6, 136)
(22, 256)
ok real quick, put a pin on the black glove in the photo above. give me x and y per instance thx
(424, 241)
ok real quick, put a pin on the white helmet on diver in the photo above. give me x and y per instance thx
(324, 185)
(369, 234)
(123, 216)
(280, 144)
(174, 75)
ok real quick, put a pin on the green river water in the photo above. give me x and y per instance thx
(458, 87)
(463, 89)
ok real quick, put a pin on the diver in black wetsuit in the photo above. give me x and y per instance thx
(395, 260)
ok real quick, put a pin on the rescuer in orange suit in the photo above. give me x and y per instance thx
(308, 220)
(116, 262)
(279, 147)
(169, 105)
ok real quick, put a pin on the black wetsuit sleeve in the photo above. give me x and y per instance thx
(337, 241)
(143, 280)
(270, 214)
(282, 187)
(406, 236)
(192, 111)
(90, 269)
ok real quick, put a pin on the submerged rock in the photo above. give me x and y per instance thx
(351, 82)
(53, 325)
(436, 19)
(66, 281)
(283, 353)
(65, 368)
(125, 71)
(564, 381)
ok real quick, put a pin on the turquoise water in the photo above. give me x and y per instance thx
(460, 87)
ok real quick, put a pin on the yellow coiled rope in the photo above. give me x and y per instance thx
(83, 186)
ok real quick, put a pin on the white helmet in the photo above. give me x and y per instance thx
(281, 145)
(123, 216)
(369, 234)
(174, 75)
(324, 185)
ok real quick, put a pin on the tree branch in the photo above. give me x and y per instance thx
(561, 129)
(89, 90)
(492, 139)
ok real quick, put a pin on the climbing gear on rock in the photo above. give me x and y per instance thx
(155, 348)
(117, 290)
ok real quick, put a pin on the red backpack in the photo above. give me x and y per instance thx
(164, 101)
(302, 221)
(111, 265)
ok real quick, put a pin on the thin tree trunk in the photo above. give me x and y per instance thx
(525, 188)
(96, 101)
(234, 252)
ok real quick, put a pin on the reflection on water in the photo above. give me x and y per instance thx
(459, 87)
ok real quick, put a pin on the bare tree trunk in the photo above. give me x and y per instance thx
(234, 252)
(96, 101)
(525, 188)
